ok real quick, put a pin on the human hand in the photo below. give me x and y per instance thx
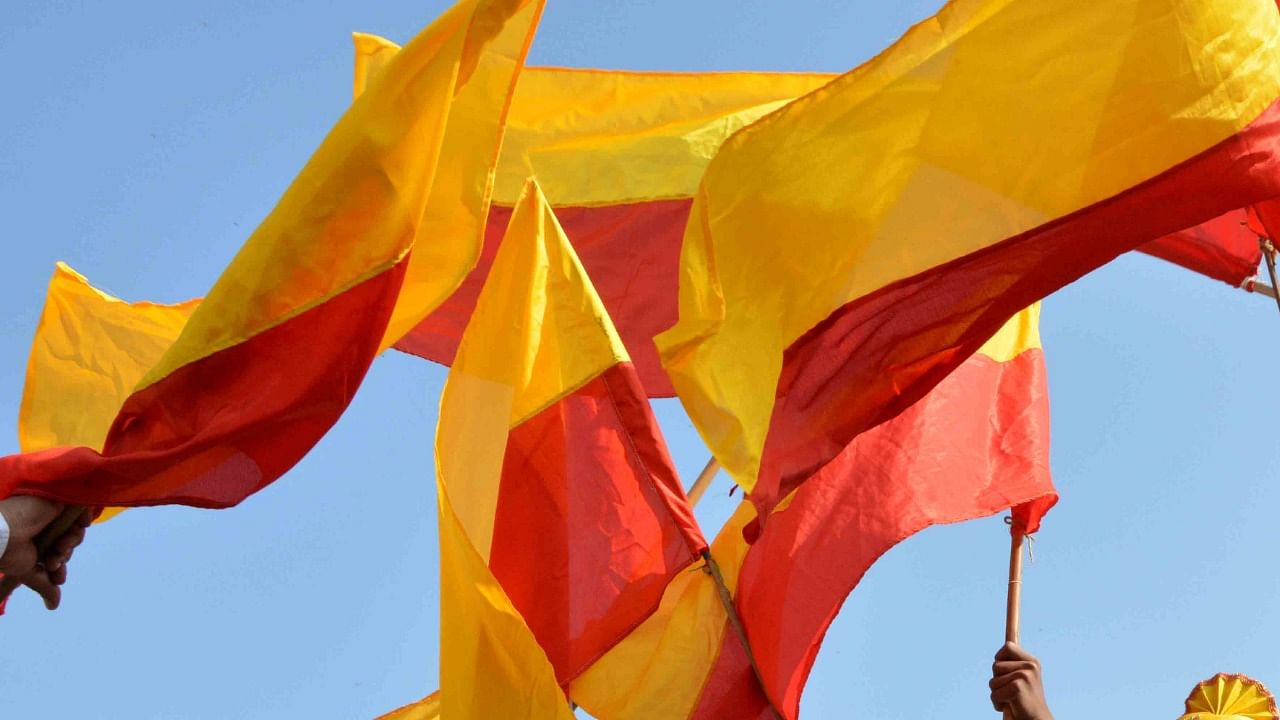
(26, 517)
(1016, 686)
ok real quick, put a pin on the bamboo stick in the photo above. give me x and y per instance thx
(1013, 606)
(712, 568)
(699, 487)
(1269, 254)
(1013, 610)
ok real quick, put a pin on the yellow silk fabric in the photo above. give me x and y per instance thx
(356, 208)
(428, 708)
(90, 350)
(659, 669)
(453, 219)
(1019, 334)
(491, 666)
(970, 129)
(605, 137)
(539, 332)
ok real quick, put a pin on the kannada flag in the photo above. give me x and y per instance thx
(619, 155)
(562, 519)
(848, 251)
(977, 444)
(270, 359)
(89, 352)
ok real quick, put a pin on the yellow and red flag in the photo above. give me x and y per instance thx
(847, 252)
(270, 359)
(977, 444)
(619, 155)
(557, 495)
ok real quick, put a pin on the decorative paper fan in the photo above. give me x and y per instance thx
(1230, 697)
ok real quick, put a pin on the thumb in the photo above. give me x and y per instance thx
(39, 581)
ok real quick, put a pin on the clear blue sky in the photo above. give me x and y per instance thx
(142, 141)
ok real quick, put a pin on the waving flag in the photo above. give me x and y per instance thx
(619, 155)
(558, 499)
(269, 360)
(977, 444)
(660, 669)
(847, 252)
(1224, 248)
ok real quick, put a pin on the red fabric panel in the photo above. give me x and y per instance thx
(877, 355)
(217, 430)
(731, 690)
(977, 444)
(1224, 248)
(591, 522)
(632, 254)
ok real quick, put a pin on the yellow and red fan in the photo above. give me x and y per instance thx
(1230, 697)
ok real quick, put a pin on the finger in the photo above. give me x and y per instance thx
(1014, 651)
(68, 542)
(1006, 680)
(56, 562)
(86, 518)
(59, 576)
(60, 553)
(1008, 695)
(39, 581)
(1008, 666)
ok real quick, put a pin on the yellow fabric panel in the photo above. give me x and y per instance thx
(598, 137)
(428, 708)
(90, 349)
(425, 709)
(1019, 334)
(491, 666)
(452, 228)
(603, 137)
(539, 331)
(356, 207)
(373, 53)
(659, 669)
(969, 130)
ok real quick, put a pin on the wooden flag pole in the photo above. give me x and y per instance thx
(699, 487)
(1013, 607)
(1013, 611)
(1269, 254)
(43, 542)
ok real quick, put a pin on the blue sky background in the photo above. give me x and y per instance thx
(142, 141)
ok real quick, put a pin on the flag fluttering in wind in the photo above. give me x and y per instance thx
(1224, 248)
(618, 155)
(89, 352)
(977, 444)
(561, 517)
(660, 669)
(358, 246)
(847, 252)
